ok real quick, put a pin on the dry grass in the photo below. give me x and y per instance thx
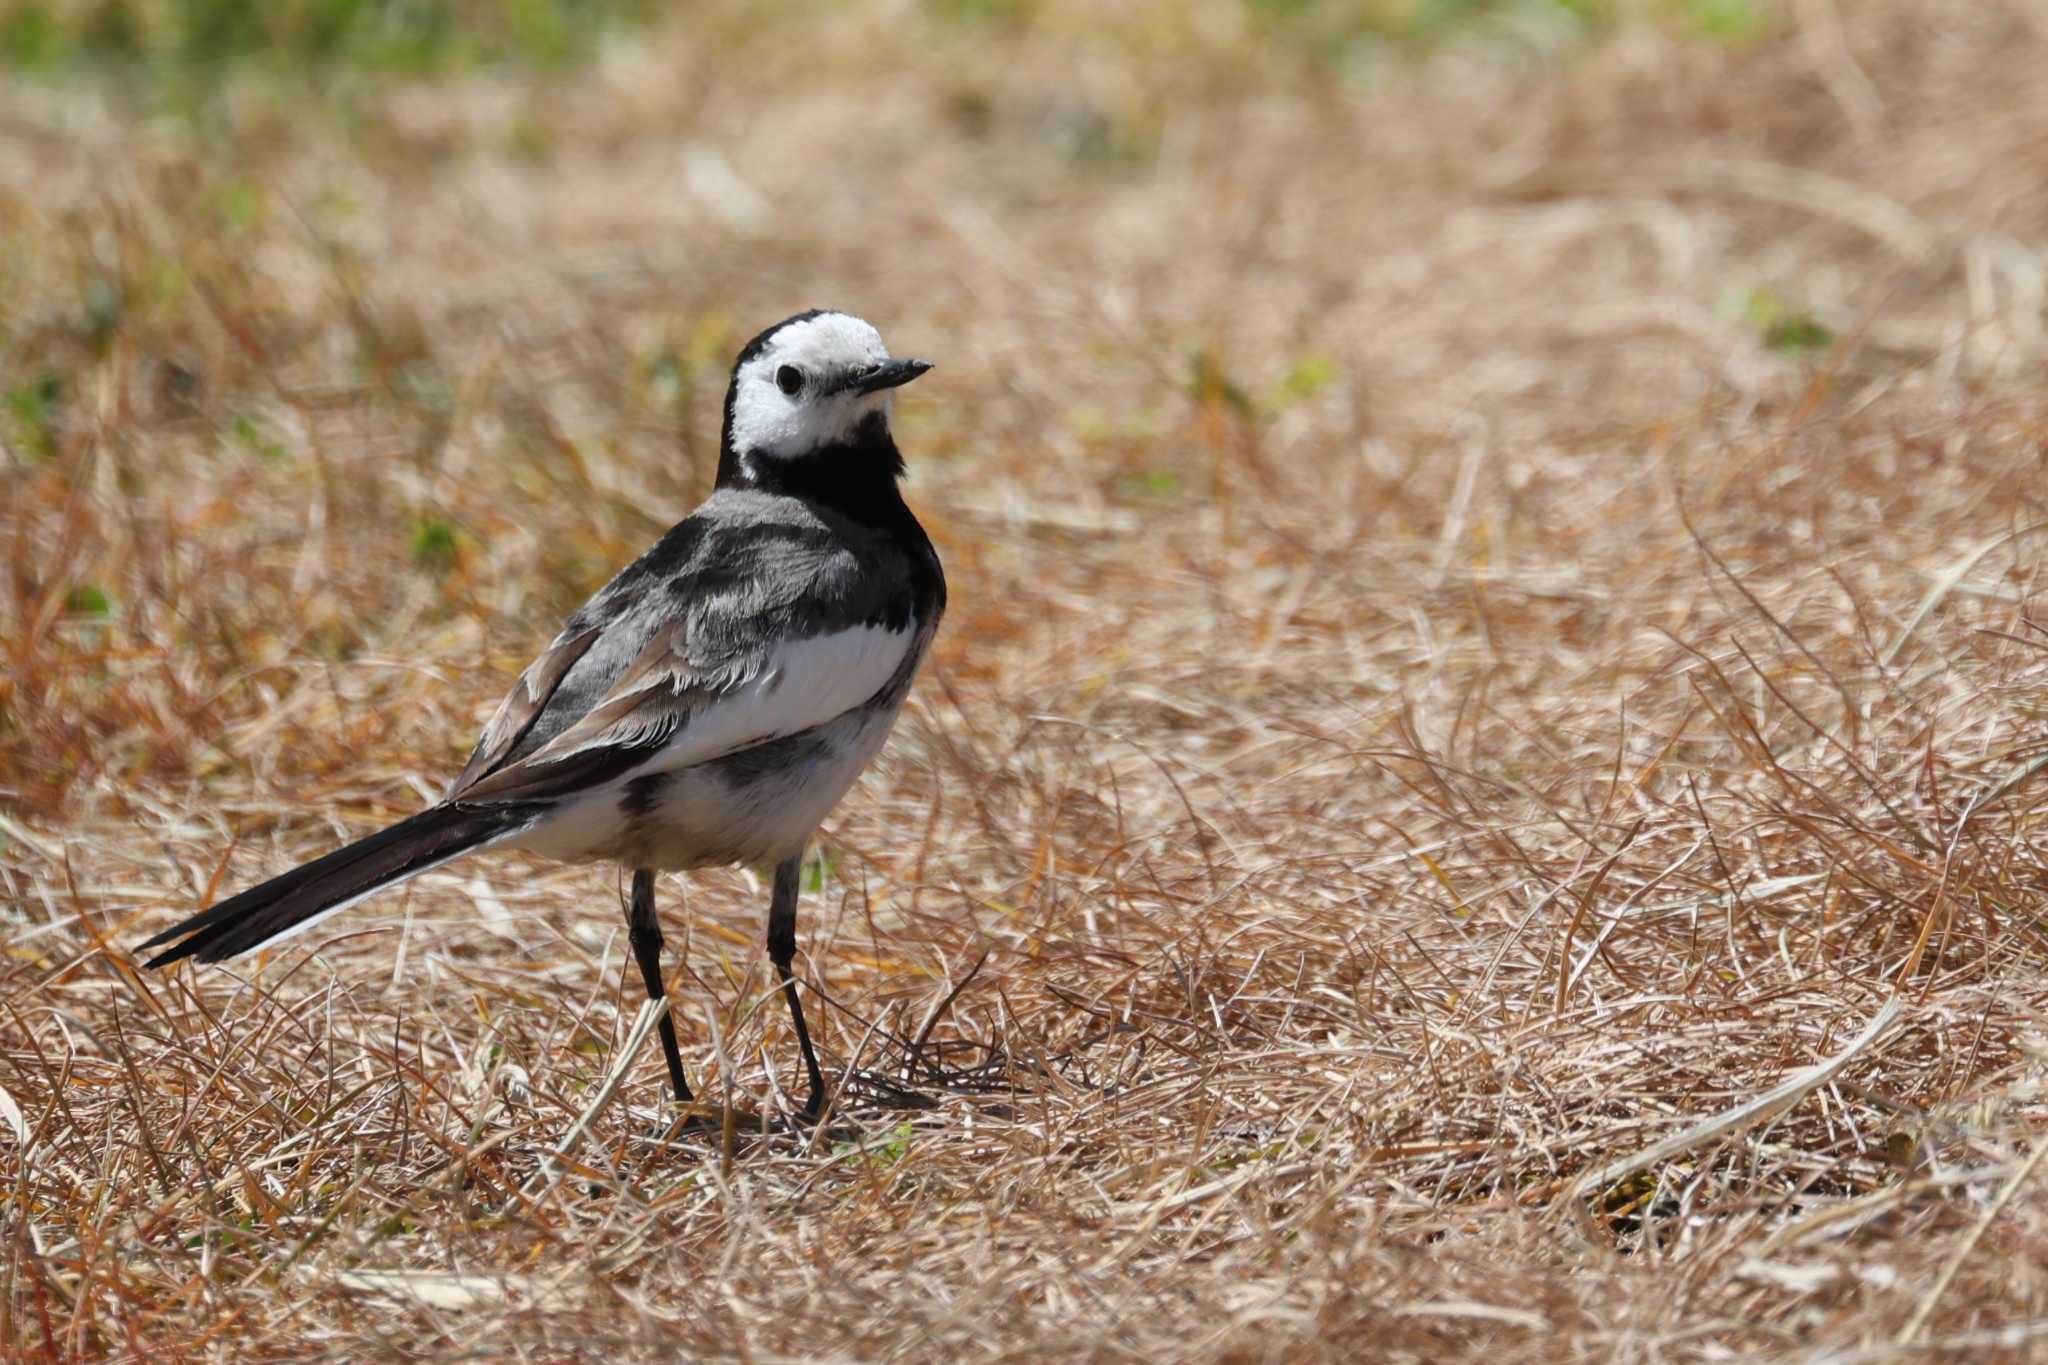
(1435, 705)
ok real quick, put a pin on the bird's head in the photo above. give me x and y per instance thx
(815, 384)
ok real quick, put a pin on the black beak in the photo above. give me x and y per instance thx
(887, 375)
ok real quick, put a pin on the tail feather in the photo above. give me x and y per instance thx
(314, 890)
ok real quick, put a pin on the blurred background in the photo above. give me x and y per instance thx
(459, 282)
(1495, 550)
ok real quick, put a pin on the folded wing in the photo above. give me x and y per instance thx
(733, 631)
(667, 713)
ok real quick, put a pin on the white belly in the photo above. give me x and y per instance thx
(759, 805)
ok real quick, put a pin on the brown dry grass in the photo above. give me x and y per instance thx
(1433, 705)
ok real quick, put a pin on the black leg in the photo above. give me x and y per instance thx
(781, 951)
(645, 932)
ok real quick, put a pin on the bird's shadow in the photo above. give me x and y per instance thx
(913, 1076)
(866, 1104)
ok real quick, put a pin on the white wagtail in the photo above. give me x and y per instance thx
(713, 702)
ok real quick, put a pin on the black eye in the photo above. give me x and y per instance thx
(789, 379)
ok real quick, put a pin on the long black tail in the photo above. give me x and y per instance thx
(326, 885)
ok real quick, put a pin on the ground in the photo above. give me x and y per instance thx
(1496, 557)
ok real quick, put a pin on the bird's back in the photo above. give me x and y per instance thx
(763, 600)
(745, 576)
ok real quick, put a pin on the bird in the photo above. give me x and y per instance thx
(709, 705)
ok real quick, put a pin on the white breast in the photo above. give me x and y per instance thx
(804, 684)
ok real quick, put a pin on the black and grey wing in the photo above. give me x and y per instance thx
(740, 631)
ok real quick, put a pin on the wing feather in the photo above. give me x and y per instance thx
(754, 618)
(666, 714)
(523, 705)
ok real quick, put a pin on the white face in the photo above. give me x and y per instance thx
(801, 392)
